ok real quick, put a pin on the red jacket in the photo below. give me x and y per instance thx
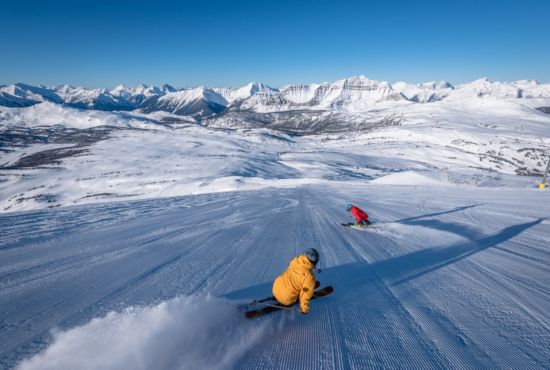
(359, 214)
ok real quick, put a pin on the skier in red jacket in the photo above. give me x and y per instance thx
(360, 216)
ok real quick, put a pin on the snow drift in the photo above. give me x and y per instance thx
(50, 114)
(192, 332)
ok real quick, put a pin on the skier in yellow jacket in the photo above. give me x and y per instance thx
(298, 281)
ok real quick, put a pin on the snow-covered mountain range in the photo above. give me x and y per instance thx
(356, 94)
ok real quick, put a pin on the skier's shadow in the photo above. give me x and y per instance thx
(458, 209)
(397, 270)
(400, 269)
(461, 229)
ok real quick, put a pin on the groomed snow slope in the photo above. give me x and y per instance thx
(452, 277)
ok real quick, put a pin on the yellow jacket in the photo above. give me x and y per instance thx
(296, 282)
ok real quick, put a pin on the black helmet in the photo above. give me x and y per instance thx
(312, 255)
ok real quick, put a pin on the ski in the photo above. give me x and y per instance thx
(359, 227)
(268, 308)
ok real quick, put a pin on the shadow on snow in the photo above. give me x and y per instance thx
(396, 270)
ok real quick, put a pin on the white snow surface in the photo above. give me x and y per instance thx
(50, 114)
(139, 250)
(449, 278)
(412, 177)
(482, 143)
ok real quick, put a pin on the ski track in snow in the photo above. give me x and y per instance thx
(450, 278)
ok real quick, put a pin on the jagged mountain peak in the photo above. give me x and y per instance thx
(356, 79)
(253, 88)
(527, 82)
(65, 88)
(23, 95)
(353, 94)
(166, 88)
(479, 82)
(237, 95)
(437, 85)
(424, 92)
(197, 101)
(121, 87)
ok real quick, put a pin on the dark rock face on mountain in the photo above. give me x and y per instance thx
(303, 122)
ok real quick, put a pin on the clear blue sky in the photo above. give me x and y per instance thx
(229, 43)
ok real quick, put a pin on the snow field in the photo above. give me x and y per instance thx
(50, 114)
(475, 146)
(450, 278)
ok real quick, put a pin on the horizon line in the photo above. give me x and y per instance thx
(260, 82)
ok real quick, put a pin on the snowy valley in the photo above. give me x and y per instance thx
(135, 220)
